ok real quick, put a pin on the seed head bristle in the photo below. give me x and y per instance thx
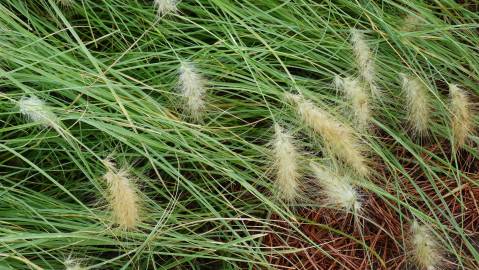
(123, 199)
(418, 107)
(37, 111)
(364, 60)
(358, 98)
(286, 165)
(425, 248)
(165, 7)
(75, 267)
(192, 89)
(410, 23)
(461, 116)
(338, 191)
(73, 264)
(66, 3)
(338, 138)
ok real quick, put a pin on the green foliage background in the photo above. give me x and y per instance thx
(109, 70)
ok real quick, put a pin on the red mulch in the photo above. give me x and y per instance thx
(382, 229)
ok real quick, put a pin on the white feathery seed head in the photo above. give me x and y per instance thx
(418, 106)
(461, 116)
(193, 90)
(164, 7)
(123, 198)
(358, 99)
(364, 60)
(338, 191)
(425, 249)
(286, 165)
(36, 110)
(338, 138)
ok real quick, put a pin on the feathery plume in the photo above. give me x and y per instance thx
(357, 97)
(364, 60)
(337, 137)
(37, 111)
(461, 118)
(164, 7)
(286, 165)
(338, 191)
(192, 88)
(425, 248)
(123, 199)
(410, 23)
(419, 109)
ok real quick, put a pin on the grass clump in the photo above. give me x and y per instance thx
(99, 78)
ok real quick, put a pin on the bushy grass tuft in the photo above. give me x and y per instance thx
(84, 80)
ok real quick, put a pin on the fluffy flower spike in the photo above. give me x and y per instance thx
(358, 99)
(419, 109)
(36, 110)
(164, 7)
(192, 89)
(337, 191)
(286, 165)
(338, 138)
(123, 198)
(364, 60)
(461, 116)
(425, 248)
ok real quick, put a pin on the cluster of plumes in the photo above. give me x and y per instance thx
(461, 116)
(192, 89)
(337, 191)
(418, 105)
(425, 249)
(338, 138)
(286, 158)
(165, 7)
(36, 110)
(358, 99)
(123, 198)
(364, 60)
